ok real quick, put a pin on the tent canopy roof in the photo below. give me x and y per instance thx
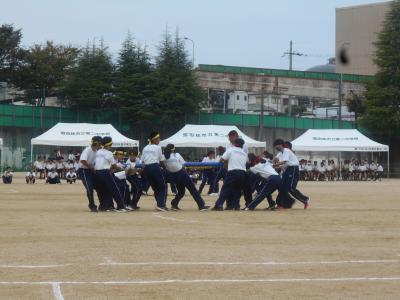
(207, 136)
(343, 140)
(80, 134)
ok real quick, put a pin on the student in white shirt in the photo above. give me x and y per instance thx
(289, 163)
(71, 176)
(60, 167)
(86, 170)
(134, 178)
(52, 177)
(236, 176)
(8, 176)
(379, 172)
(50, 165)
(71, 156)
(105, 180)
(30, 177)
(151, 158)
(220, 172)
(271, 181)
(39, 167)
(322, 171)
(174, 163)
(208, 174)
(121, 172)
(233, 136)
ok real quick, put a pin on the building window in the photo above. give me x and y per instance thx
(237, 97)
(245, 98)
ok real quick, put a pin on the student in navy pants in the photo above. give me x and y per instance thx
(86, 171)
(106, 180)
(151, 158)
(174, 167)
(236, 177)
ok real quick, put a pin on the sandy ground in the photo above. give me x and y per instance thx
(347, 246)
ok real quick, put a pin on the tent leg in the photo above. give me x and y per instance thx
(340, 166)
(1, 159)
(31, 154)
(388, 165)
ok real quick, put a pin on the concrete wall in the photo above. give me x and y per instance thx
(326, 89)
(358, 26)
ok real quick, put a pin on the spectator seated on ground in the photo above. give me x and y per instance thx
(70, 176)
(52, 177)
(8, 176)
(30, 177)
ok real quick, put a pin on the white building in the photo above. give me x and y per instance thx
(238, 101)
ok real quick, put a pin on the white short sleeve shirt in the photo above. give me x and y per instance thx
(174, 163)
(89, 156)
(152, 154)
(236, 157)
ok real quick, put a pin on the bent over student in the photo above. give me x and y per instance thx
(271, 181)
(151, 158)
(236, 178)
(86, 170)
(105, 179)
(174, 165)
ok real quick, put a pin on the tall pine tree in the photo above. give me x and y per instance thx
(177, 91)
(90, 82)
(382, 105)
(134, 85)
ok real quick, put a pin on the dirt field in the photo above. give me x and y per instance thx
(347, 246)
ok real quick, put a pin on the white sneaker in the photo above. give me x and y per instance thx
(214, 195)
(161, 208)
(128, 207)
(122, 210)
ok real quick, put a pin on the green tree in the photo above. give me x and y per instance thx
(382, 105)
(11, 54)
(89, 83)
(45, 66)
(134, 84)
(356, 105)
(177, 91)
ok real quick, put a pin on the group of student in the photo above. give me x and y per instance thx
(108, 173)
(53, 170)
(354, 170)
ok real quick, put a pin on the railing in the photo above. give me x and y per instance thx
(46, 117)
(284, 73)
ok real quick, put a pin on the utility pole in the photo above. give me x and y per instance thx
(261, 121)
(340, 100)
(291, 54)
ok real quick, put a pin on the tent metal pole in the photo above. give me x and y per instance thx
(31, 153)
(388, 164)
(340, 166)
(1, 159)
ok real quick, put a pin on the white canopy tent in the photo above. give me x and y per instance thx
(80, 135)
(207, 136)
(337, 140)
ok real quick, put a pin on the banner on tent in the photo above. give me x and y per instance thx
(85, 133)
(200, 135)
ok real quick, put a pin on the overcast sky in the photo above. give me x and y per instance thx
(229, 32)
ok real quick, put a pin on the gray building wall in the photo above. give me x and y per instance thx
(359, 26)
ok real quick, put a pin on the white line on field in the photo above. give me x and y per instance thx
(163, 217)
(11, 192)
(268, 263)
(57, 291)
(167, 281)
(31, 266)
